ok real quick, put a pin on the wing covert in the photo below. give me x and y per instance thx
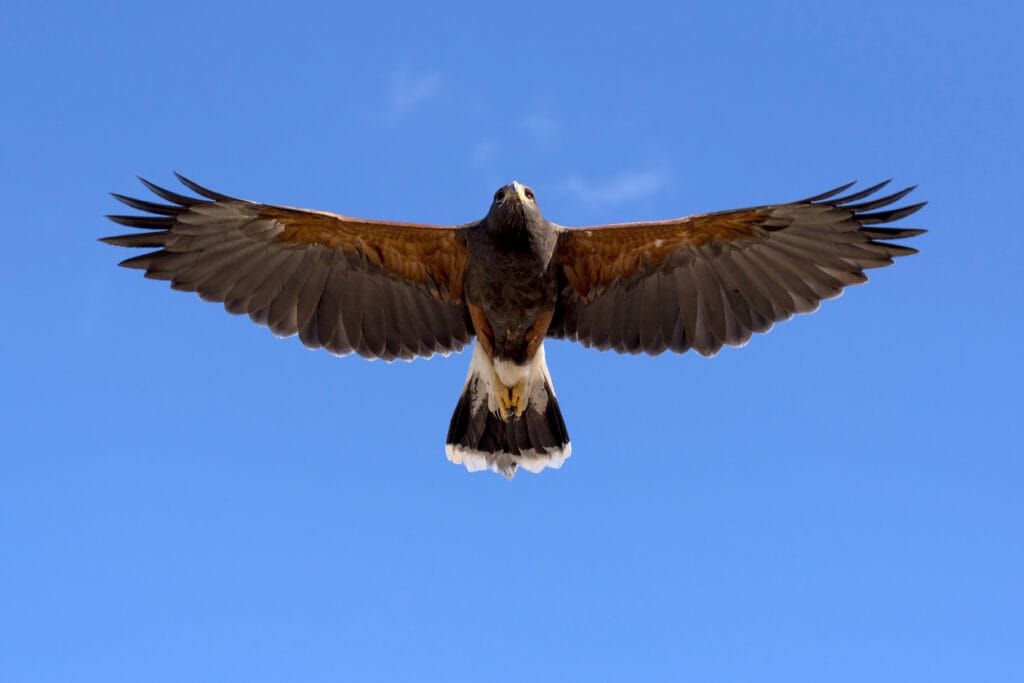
(708, 280)
(381, 289)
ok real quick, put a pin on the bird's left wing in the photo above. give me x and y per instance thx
(381, 289)
(707, 280)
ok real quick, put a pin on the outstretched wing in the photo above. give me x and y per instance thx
(703, 281)
(381, 289)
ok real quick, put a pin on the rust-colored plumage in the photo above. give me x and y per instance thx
(425, 254)
(600, 255)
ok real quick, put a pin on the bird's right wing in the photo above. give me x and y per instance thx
(704, 281)
(381, 289)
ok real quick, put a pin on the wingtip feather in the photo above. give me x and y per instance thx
(199, 189)
(829, 193)
(170, 196)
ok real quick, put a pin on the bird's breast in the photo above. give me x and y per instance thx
(510, 280)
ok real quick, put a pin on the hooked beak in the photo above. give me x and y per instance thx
(518, 192)
(514, 191)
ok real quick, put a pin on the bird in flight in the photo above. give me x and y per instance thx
(510, 280)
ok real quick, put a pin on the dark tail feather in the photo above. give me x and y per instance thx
(479, 439)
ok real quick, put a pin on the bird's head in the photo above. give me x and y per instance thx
(514, 202)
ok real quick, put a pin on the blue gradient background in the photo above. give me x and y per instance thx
(185, 497)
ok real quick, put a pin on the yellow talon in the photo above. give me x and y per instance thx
(504, 399)
(511, 401)
(518, 398)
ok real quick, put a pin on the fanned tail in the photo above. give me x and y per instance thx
(479, 439)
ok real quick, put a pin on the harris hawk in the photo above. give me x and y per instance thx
(510, 280)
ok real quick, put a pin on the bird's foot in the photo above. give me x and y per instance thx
(511, 400)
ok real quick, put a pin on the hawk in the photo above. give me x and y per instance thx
(511, 280)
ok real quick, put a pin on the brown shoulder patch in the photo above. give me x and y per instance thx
(425, 254)
(600, 255)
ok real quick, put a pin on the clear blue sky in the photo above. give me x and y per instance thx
(185, 497)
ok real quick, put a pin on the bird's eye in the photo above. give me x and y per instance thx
(529, 194)
(498, 195)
